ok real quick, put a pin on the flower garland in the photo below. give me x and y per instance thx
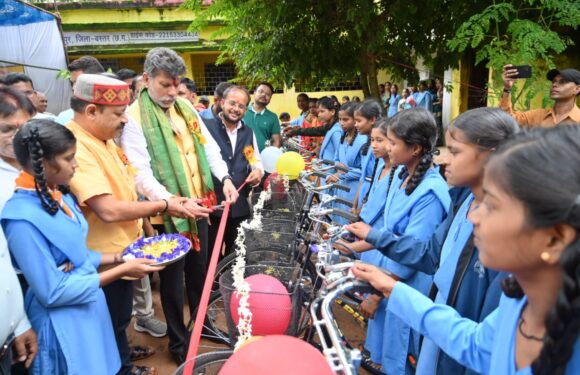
(240, 284)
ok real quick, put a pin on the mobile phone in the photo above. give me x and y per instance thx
(524, 71)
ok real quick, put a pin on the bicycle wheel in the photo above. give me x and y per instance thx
(215, 327)
(207, 363)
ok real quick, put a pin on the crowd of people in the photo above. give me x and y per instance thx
(482, 277)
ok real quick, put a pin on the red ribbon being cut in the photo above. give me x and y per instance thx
(202, 310)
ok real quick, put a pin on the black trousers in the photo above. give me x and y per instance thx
(194, 267)
(119, 296)
(230, 234)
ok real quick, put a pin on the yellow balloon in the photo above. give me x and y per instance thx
(290, 164)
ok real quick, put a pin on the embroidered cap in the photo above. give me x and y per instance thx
(99, 89)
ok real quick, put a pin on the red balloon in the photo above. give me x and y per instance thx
(277, 354)
(270, 305)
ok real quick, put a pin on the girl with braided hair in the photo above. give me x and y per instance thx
(417, 203)
(459, 278)
(366, 116)
(530, 231)
(46, 234)
(348, 154)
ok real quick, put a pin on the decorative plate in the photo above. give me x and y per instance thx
(164, 249)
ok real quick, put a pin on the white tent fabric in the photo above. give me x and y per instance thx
(31, 36)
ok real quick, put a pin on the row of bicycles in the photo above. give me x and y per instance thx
(296, 243)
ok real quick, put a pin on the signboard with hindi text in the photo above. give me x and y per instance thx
(82, 38)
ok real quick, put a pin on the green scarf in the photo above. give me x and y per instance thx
(166, 159)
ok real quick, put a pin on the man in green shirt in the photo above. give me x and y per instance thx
(263, 122)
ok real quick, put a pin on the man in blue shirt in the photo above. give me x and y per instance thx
(216, 108)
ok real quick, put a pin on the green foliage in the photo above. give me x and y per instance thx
(520, 32)
(333, 40)
(63, 74)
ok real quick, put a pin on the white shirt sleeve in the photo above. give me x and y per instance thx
(218, 166)
(135, 147)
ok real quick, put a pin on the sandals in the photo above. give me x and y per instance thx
(139, 352)
(368, 364)
(143, 370)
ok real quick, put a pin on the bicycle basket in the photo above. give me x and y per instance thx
(288, 275)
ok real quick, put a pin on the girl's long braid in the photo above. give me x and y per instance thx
(36, 157)
(366, 198)
(366, 146)
(419, 172)
(562, 322)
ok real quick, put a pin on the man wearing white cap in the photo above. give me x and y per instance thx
(105, 187)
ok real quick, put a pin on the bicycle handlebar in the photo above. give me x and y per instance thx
(347, 215)
(335, 165)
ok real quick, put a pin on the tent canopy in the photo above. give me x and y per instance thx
(32, 39)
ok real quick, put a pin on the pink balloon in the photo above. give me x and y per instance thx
(277, 354)
(270, 305)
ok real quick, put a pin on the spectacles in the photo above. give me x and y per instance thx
(235, 104)
(265, 93)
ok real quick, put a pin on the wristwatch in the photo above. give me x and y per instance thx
(507, 91)
(227, 177)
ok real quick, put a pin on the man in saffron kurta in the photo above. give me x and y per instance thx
(169, 145)
(105, 188)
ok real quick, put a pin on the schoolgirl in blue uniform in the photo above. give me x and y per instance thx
(531, 231)
(348, 154)
(328, 114)
(46, 234)
(366, 116)
(417, 202)
(374, 307)
(460, 280)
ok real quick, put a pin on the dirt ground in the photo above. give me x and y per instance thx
(165, 364)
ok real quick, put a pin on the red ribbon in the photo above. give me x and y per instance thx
(202, 310)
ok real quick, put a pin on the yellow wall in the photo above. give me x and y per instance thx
(286, 102)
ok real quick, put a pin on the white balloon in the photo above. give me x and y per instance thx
(270, 157)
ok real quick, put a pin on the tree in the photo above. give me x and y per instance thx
(332, 40)
(520, 32)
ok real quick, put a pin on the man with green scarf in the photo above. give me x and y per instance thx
(174, 155)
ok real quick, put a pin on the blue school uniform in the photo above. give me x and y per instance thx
(350, 156)
(424, 100)
(67, 310)
(331, 142)
(476, 290)
(372, 213)
(393, 105)
(367, 166)
(418, 214)
(487, 347)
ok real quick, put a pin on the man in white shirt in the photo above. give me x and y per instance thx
(174, 154)
(239, 149)
(16, 334)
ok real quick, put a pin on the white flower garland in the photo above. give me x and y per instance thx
(242, 287)
(240, 284)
